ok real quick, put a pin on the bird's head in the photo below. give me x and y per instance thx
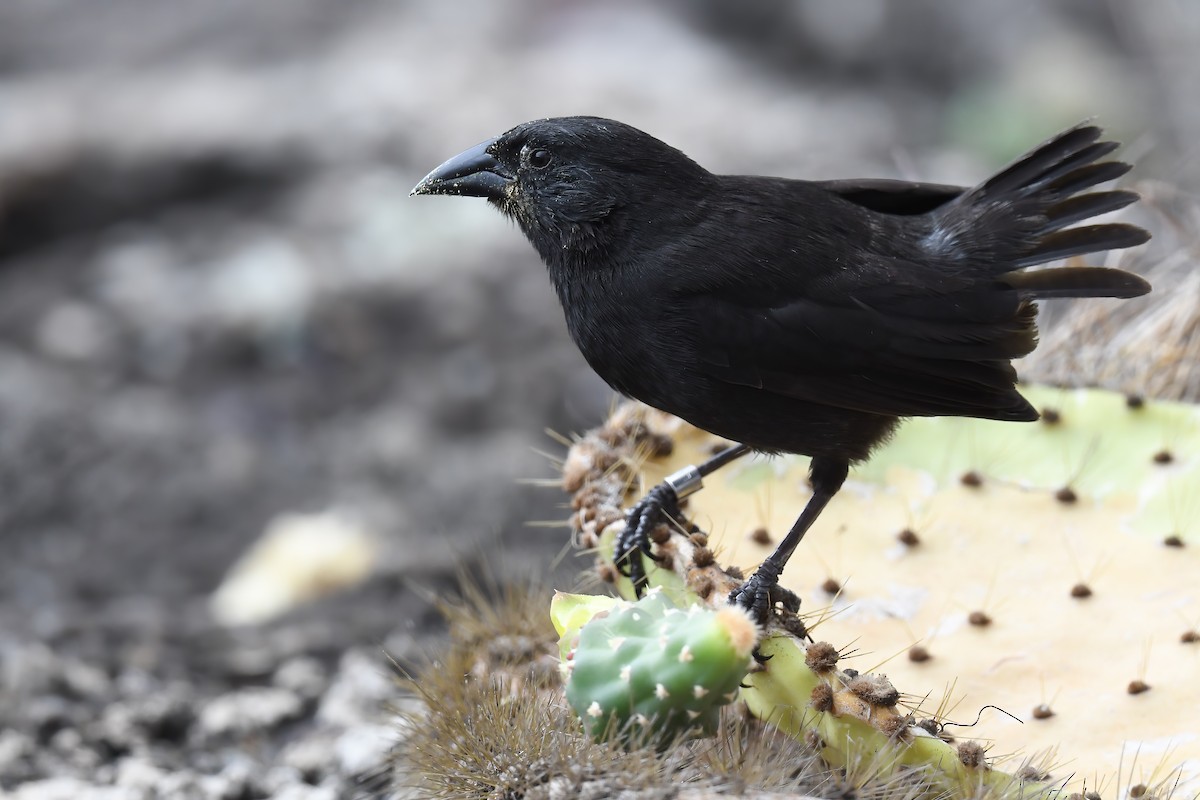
(572, 183)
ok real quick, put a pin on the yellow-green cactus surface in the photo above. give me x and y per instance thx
(1051, 569)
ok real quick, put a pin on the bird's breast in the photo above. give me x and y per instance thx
(628, 333)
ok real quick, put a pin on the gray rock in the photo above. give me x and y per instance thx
(313, 756)
(140, 775)
(181, 785)
(281, 778)
(16, 748)
(301, 791)
(363, 749)
(75, 751)
(248, 711)
(241, 776)
(75, 789)
(28, 669)
(84, 681)
(165, 716)
(73, 331)
(358, 691)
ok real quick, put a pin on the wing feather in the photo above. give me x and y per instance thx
(857, 358)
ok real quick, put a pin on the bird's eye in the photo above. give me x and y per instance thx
(540, 159)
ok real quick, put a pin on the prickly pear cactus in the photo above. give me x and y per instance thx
(649, 670)
(1051, 569)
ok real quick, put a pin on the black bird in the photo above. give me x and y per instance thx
(796, 316)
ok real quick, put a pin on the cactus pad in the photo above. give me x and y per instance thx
(1050, 568)
(651, 671)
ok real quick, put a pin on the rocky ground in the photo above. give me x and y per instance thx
(218, 305)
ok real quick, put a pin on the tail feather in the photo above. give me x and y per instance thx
(1021, 217)
(1081, 241)
(1085, 206)
(1033, 165)
(1089, 176)
(1068, 166)
(1077, 282)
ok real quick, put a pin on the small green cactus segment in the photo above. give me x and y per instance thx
(570, 612)
(650, 671)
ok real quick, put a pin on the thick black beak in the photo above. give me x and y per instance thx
(472, 173)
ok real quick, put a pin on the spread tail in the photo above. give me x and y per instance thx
(1020, 218)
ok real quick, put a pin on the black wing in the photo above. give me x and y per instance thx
(893, 197)
(951, 359)
(919, 305)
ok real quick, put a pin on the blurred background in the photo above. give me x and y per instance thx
(221, 313)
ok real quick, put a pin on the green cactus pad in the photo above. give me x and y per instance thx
(650, 671)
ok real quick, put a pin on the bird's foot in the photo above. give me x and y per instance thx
(661, 504)
(762, 594)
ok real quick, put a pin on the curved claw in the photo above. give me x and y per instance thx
(660, 504)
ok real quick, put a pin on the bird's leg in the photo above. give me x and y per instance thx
(661, 504)
(758, 595)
